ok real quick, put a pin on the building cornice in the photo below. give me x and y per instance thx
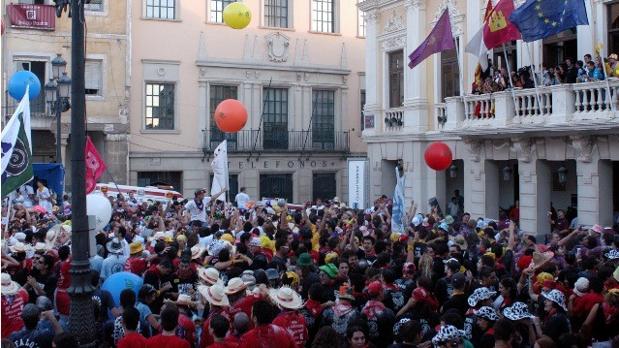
(229, 64)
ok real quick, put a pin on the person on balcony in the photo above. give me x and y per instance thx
(612, 67)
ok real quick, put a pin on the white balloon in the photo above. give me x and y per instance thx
(99, 206)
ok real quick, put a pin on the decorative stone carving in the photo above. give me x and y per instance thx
(202, 72)
(371, 16)
(523, 148)
(394, 43)
(395, 23)
(161, 72)
(277, 47)
(474, 148)
(456, 18)
(583, 145)
(414, 3)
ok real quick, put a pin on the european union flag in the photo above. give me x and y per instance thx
(537, 19)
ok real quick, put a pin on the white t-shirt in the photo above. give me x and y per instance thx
(196, 213)
(241, 199)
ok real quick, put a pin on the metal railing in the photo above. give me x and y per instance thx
(38, 107)
(324, 140)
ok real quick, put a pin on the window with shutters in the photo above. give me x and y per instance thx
(276, 13)
(396, 79)
(161, 9)
(216, 14)
(219, 93)
(450, 78)
(94, 5)
(323, 119)
(93, 77)
(275, 120)
(323, 16)
(360, 21)
(159, 106)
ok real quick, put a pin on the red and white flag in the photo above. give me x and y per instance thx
(95, 166)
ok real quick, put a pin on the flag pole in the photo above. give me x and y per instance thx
(539, 99)
(509, 77)
(610, 96)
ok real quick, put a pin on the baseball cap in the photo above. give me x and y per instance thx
(458, 280)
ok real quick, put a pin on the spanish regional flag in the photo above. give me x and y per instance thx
(497, 27)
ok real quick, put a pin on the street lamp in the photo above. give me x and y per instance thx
(81, 316)
(57, 92)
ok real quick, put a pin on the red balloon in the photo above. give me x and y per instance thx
(230, 116)
(438, 156)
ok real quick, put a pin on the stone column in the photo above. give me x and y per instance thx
(116, 152)
(301, 184)
(601, 29)
(594, 178)
(415, 98)
(372, 106)
(535, 185)
(474, 13)
(203, 114)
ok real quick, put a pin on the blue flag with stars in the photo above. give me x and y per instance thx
(537, 19)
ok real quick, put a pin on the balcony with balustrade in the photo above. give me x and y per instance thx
(279, 141)
(565, 107)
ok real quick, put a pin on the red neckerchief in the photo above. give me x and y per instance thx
(373, 308)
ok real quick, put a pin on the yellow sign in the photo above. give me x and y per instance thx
(497, 21)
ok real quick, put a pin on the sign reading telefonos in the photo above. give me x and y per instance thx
(357, 188)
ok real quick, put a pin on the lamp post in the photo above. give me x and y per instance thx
(57, 92)
(81, 317)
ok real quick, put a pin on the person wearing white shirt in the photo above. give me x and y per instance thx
(241, 199)
(197, 206)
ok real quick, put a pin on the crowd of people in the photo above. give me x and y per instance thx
(496, 79)
(269, 274)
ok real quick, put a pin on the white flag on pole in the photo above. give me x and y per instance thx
(220, 170)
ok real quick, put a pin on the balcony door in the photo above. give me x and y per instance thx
(323, 119)
(219, 93)
(450, 77)
(275, 119)
(37, 67)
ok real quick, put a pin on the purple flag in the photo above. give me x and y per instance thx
(440, 39)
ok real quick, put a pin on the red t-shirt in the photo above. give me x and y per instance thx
(314, 307)
(294, 323)
(267, 336)
(161, 341)
(136, 265)
(132, 340)
(583, 304)
(206, 338)
(186, 329)
(244, 304)
(224, 344)
(11, 313)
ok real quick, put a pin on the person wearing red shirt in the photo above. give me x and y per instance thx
(219, 329)
(136, 263)
(63, 301)
(167, 338)
(186, 328)
(14, 297)
(265, 334)
(290, 319)
(218, 301)
(132, 338)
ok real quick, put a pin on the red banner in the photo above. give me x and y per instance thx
(95, 166)
(32, 16)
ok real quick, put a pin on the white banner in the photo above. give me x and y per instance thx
(220, 170)
(357, 183)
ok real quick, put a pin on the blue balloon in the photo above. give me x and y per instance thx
(20, 80)
(120, 281)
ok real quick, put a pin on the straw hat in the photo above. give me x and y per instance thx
(135, 247)
(9, 287)
(235, 285)
(184, 300)
(40, 247)
(613, 56)
(285, 297)
(539, 259)
(196, 251)
(215, 295)
(20, 247)
(209, 275)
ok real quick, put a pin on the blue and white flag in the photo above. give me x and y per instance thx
(17, 148)
(397, 213)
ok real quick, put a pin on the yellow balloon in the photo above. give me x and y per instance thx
(237, 15)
